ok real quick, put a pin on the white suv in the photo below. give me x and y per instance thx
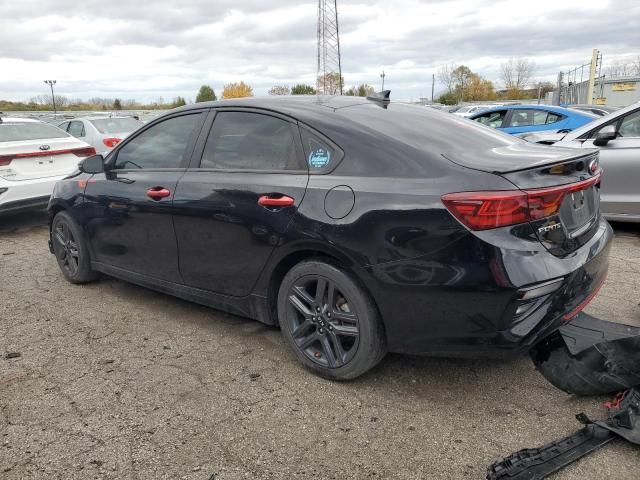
(33, 157)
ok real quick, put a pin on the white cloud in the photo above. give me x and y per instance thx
(167, 48)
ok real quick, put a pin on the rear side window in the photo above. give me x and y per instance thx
(321, 155)
(164, 145)
(76, 129)
(492, 119)
(15, 131)
(525, 117)
(251, 141)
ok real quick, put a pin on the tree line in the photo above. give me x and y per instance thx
(464, 85)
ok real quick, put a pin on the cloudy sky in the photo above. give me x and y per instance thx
(149, 49)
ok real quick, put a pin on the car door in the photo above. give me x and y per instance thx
(620, 160)
(234, 204)
(129, 207)
(523, 120)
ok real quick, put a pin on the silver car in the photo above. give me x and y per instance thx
(101, 132)
(618, 137)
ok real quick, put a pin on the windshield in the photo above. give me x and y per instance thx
(16, 131)
(116, 125)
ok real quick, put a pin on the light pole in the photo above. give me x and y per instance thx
(51, 83)
(382, 75)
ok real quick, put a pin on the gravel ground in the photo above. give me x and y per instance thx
(116, 381)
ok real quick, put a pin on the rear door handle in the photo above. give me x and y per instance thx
(157, 193)
(276, 201)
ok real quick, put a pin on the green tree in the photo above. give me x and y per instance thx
(117, 105)
(302, 89)
(178, 102)
(206, 94)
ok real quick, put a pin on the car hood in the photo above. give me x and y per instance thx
(517, 156)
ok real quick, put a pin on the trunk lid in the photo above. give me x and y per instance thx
(42, 158)
(575, 182)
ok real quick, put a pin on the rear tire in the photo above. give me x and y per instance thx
(70, 249)
(329, 321)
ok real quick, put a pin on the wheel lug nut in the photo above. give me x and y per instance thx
(328, 314)
(321, 331)
(317, 309)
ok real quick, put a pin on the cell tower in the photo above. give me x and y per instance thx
(329, 80)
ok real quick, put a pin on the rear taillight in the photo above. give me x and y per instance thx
(486, 210)
(111, 141)
(78, 152)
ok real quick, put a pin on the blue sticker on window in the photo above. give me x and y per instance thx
(319, 158)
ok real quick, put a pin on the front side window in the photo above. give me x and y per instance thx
(630, 126)
(164, 145)
(76, 129)
(492, 119)
(251, 141)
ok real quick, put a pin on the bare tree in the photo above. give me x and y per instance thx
(517, 73)
(623, 68)
(279, 90)
(445, 76)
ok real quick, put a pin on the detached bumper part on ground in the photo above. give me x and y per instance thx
(538, 463)
(590, 356)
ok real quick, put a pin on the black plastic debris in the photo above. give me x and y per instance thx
(590, 356)
(538, 463)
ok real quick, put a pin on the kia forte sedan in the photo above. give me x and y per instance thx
(359, 227)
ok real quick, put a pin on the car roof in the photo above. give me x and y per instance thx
(600, 121)
(97, 117)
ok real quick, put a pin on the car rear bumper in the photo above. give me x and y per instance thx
(467, 308)
(25, 194)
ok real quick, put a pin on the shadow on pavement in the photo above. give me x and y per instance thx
(23, 220)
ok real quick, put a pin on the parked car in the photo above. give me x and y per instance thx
(599, 110)
(33, 157)
(468, 110)
(516, 119)
(618, 137)
(101, 131)
(357, 229)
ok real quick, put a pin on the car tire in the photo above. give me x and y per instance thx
(329, 321)
(70, 249)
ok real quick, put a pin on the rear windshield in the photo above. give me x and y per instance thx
(425, 127)
(15, 131)
(116, 125)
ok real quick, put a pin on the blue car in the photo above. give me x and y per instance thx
(516, 119)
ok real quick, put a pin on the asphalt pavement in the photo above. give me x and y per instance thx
(109, 380)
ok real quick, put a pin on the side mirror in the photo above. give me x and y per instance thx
(605, 135)
(93, 164)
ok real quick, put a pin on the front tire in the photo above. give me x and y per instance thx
(329, 321)
(70, 249)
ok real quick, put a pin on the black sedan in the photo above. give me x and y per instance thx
(356, 226)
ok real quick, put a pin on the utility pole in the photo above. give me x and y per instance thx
(51, 83)
(433, 85)
(382, 75)
(592, 75)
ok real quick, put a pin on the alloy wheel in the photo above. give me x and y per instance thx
(321, 321)
(68, 252)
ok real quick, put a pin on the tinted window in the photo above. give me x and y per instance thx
(630, 126)
(76, 129)
(14, 131)
(164, 145)
(552, 117)
(320, 154)
(492, 119)
(251, 141)
(116, 125)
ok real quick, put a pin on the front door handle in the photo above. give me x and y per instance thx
(157, 193)
(276, 201)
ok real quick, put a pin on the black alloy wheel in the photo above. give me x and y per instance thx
(66, 248)
(330, 321)
(321, 320)
(70, 249)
